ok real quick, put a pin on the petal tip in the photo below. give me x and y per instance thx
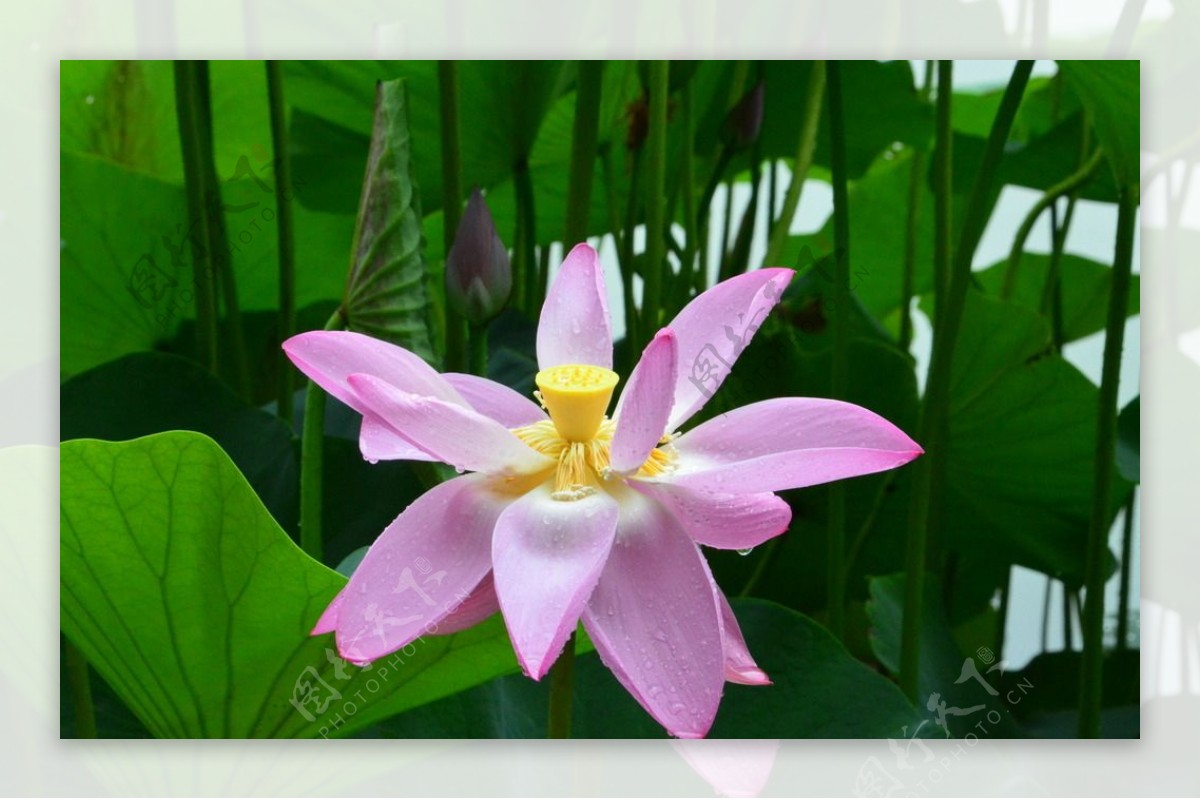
(688, 735)
(583, 248)
(353, 657)
(534, 669)
(751, 676)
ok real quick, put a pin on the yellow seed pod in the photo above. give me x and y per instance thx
(577, 397)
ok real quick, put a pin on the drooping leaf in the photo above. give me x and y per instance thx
(386, 292)
(819, 691)
(1111, 92)
(1085, 289)
(150, 392)
(501, 105)
(195, 607)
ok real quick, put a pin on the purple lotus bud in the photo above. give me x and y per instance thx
(478, 274)
(744, 121)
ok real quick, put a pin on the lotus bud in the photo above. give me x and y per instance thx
(478, 272)
(744, 121)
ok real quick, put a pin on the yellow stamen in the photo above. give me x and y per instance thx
(584, 465)
(577, 397)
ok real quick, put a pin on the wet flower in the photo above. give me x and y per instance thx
(478, 272)
(569, 514)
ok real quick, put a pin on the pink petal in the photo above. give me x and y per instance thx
(479, 605)
(739, 665)
(379, 442)
(329, 357)
(547, 556)
(790, 442)
(655, 622)
(645, 404)
(428, 561)
(495, 400)
(328, 621)
(713, 330)
(724, 521)
(733, 768)
(574, 327)
(454, 434)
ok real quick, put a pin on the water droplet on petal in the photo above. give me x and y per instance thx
(745, 552)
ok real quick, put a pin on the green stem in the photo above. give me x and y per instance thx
(806, 145)
(1066, 186)
(1126, 555)
(928, 473)
(703, 215)
(910, 248)
(284, 231)
(626, 259)
(456, 324)
(477, 339)
(1046, 615)
(525, 272)
(917, 169)
(611, 205)
(1068, 625)
(312, 461)
(943, 198)
(687, 179)
(772, 195)
(222, 255)
(656, 183)
(190, 141)
(562, 687)
(1051, 303)
(583, 150)
(79, 686)
(835, 571)
(1052, 290)
(1002, 616)
(739, 257)
(1106, 447)
(726, 227)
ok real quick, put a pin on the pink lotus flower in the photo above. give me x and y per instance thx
(578, 516)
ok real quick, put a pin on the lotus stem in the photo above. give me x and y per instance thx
(1090, 695)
